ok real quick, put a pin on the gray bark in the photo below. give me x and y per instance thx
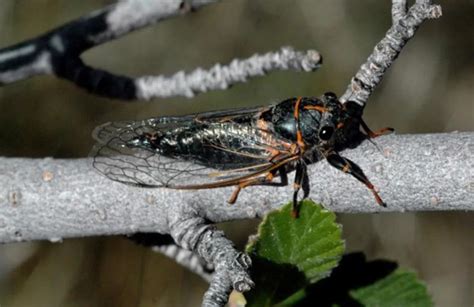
(49, 199)
(405, 24)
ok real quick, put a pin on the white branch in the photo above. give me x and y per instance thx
(58, 52)
(129, 15)
(53, 199)
(221, 77)
(399, 10)
(187, 259)
(405, 24)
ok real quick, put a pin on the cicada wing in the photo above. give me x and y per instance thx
(229, 115)
(116, 159)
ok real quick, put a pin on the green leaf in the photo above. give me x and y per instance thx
(289, 253)
(401, 288)
(312, 242)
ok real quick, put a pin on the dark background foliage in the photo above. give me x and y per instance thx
(428, 90)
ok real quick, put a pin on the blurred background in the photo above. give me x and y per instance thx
(428, 90)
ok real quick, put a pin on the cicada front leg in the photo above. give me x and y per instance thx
(374, 134)
(347, 166)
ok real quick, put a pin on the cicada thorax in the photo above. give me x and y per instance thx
(325, 124)
(285, 125)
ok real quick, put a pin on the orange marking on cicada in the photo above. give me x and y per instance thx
(340, 125)
(300, 141)
(297, 109)
(299, 134)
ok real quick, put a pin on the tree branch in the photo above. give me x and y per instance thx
(221, 77)
(188, 259)
(58, 52)
(52, 199)
(164, 244)
(405, 24)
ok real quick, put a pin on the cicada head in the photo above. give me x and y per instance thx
(339, 124)
(348, 132)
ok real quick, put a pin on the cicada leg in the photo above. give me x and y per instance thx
(301, 176)
(267, 180)
(347, 166)
(301, 182)
(374, 134)
(235, 195)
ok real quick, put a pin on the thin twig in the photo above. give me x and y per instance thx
(186, 258)
(387, 50)
(220, 77)
(399, 10)
(164, 244)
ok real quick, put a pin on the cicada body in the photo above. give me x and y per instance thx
(241, 148)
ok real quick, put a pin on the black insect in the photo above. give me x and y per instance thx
(240, 148)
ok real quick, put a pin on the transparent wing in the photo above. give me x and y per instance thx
(116, 159)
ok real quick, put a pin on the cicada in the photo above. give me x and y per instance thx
(240, 147)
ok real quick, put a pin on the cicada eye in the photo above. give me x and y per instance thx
(326, 132)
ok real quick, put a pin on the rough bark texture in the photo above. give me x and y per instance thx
(52, 199)
(405, 24)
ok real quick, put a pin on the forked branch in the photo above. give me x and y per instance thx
(405, 24)
(58, 52)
